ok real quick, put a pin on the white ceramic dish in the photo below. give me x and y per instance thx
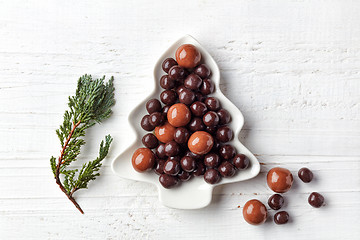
(195, 193)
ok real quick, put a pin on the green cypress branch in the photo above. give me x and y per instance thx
(91, 104)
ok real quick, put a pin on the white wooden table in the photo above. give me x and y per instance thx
(291, 67)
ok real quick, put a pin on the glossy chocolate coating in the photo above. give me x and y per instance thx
(156, 119)
(188, 164)
(305, 175)
(177, 73)
(153, 105)
(145, 123)
(184, 176)
(212, 160)
(254, 212)
(240, 161)
(207, 87)
(197, 157)
(200, 142)
(179, 115)
(143, 159)
(226, 169)
(227, 152)
(196, 124)
(167, 64)
(224, 116)
(202, 71)
(167, 83)
(180, 89)
(216, 145)
(181, 135)
(186, 96)
(212, 176)
(200, 97)
(188, 56)
(159, 168)
(276, 201)
(171, 167)
(165, 110)
(211, 119)
(212, 103)
(172, 148)
(168, 181)
(316, 199)
(211, 129)
(224, 134)
(200, 169)
(281, 217)
(160, 151)
(150, 141)
(165, 132)
(168, 97)
(198, 109)
(193, 82)
(279, 179)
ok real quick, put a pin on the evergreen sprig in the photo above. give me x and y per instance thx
(91, 104)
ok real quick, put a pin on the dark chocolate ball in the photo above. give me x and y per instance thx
(193, 82)
(196, 124)
(145, 123)
(224, 116)
(199, 97)
(212, 176)
(171, 167)
(184, 176)
(150, 141)
(200, 169)
(202, 71)
(156, 119)
(211, 129)
(195, 156)
(168, 97)
(186, 96)
(177, 73)
(224, 134)
(181, 135)
(212, 160)
(216, 145)
(305, 175)
(226, 169)
(160, 151)
(211, 119)
(276, 201)
(168, 181)
(212, 103)
(180, 89)
(227, 152)
(240, 161)
(281, 217)
(316, 199)
(198, 109)
(167, 83)
(207, 87)
(153, 105)
(159, 167)
(188, 164)
(165, 110)
(168, 63)
(172, 149)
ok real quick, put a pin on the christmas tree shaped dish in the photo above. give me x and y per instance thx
(195, 193)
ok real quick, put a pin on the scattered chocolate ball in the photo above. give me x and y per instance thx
(227, 152)
(168, 63)
(224, 116)
(160, 151)
(211, 119)
(200, 142)
(281, 217)
(212, 103)
(186, 96)
(181, 135)
(240, 161)
(171, 167)
(226, 169)
(184, 176)
(165, 132)
(168, 97)
(177, 73)
(224, 134)
(212, 176)
(316, 199)
(207, 87)
(188, 164)
(167, 83)
(276, 201)
(179, 115)
(159, 168)
(212, 160)
(153, 105)
(198, 109)
(196, 124)
(168, 181)
(150, 141)
(156, 119)
(188, 56)
(172, 149)
(145, 123)
(193, 82)
(143, 159)
(279, 179)
(200, 169)
(305, 175)
(202, 71)
(254, 212)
